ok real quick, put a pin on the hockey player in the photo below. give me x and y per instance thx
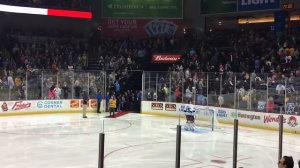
(190, 116)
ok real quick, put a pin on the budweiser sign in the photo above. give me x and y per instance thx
(21, 105)
(165, 58)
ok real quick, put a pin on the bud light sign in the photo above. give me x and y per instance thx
(253, 5)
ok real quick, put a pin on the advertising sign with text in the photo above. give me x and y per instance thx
(157, 106)
(170, 107)
(254, 5)
(50, 104)
(15, 106)
(142, 9)
(165, 58)
(141, 28)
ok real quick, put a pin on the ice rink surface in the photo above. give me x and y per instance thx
(132, 141)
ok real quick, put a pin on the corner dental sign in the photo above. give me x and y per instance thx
(256, 2)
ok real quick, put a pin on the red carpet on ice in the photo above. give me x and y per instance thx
(117, 114)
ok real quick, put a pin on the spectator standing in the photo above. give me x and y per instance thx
(164, 92)
(123, 102)
(188, 94)
(99, 99)
(57, 92)
(119, 100)
(107, 101)
(149, 96)
(65, 90)
(11, 83)
(178, 96)
(112, 105)
(21, 90)
(51, 94)
(139, 100)
(85, 98)
(77, 90)
(117, 87)
(270, 105)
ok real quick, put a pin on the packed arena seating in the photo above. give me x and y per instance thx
(256, 57)
(60, 4)
(50, 54)
(122, 57)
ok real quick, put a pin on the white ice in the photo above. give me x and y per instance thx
(132, 141)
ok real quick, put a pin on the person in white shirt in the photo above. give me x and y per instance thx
(57, 92)
(280, 88)
(10, 83)
(188, 94)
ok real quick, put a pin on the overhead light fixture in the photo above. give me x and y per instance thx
(265, 20)
(46, 12)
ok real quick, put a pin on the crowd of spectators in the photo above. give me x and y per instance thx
(63, 62)
(258, 59)
(34, 54)
(60, 4)
(50, 54)
(123, 59)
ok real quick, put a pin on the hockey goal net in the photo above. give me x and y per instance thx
(206, 117)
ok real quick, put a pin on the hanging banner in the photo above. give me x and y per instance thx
(140, 28)
(142, 9)
(254, 5)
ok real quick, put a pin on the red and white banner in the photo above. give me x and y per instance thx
(47, 12)
(141, 27)
(165, 58)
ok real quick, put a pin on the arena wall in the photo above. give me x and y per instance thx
(226, 115)
(45, 106)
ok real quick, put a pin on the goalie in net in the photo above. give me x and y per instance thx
(190, 115)
(197, 117)
(189, 112)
